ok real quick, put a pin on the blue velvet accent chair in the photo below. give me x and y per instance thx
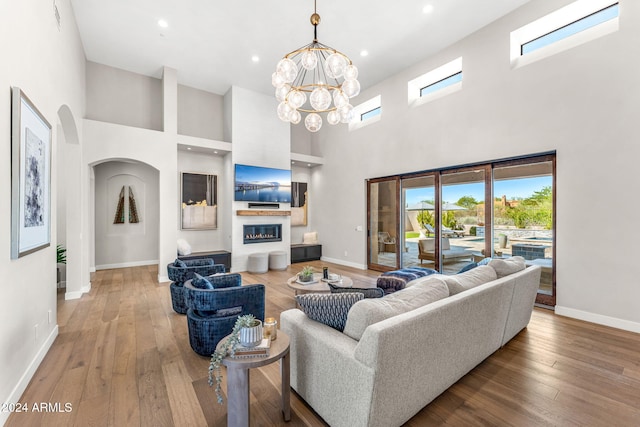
(212, 313)
(180, 271)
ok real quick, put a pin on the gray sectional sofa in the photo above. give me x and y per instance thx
(398, 353)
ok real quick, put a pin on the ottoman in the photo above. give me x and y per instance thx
(258, 263)
(277, 260)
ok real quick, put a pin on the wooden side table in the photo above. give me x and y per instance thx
(238, 381)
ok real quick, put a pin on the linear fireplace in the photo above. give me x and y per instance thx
(262, 233)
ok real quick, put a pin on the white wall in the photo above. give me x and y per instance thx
(582, 103)
(196, 162)
(48, 65)
(266, 142)
(199, 113)
(122, 97)
(303, 174)
(128, 244)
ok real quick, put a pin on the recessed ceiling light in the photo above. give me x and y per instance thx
(162, 23)
(364, 53)
(188, 148)
(255, 58)
(309, 164)
(427, 9)
(215, 152)
(292, 162)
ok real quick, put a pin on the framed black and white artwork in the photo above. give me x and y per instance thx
(30, 177)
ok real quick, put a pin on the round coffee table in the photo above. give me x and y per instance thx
(317, 285)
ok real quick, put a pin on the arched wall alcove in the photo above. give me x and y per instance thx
(127, 213)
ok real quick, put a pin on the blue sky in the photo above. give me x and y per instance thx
(512, 188)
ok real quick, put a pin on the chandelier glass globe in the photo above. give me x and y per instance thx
(315, 80)
(351, 72)
(309, 59)
(295, 117)
(313, 122)
(284, 111)
(335, 65)
(320, 99)
(346, 113)
(339, 98)
(297, 98)
(282, 91)
(287, 69)
(351, 88)
(333, 118)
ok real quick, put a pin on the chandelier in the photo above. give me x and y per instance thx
(323, 73)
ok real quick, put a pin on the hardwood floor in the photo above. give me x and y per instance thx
(122, 358)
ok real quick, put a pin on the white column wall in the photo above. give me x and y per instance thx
(47, 63)
(259, 139)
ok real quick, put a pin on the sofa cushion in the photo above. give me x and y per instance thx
(201, 282)
(179, 263)
(370, 311)
(468, 267)
(507, 266)
(367, 292)
(330, 309)
(470, 279)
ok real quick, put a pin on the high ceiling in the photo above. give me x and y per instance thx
(211, 43)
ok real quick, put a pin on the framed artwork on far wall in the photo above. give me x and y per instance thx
(199, 203)
(298, 203)
(30, 177)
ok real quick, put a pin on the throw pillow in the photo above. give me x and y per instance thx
(370, 311)
(507, 266)
(468, 267)
(367, 292)
(201, 282)
(183, 247)
(310, 238)
(470, 279)
(223, 312)
(484, 261)
(179, 263)
(329, 309)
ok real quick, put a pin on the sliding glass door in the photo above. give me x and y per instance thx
(463, 228)
(383, 225)
(523, 214)
(418, 194)
(447, 219)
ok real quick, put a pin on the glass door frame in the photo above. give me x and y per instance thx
(398, 224)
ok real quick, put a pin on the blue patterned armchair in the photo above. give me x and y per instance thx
(180, 271)
(214, 303)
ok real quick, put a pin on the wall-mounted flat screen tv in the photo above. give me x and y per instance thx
(260, 184)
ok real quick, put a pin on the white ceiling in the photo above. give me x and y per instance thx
(211, 42)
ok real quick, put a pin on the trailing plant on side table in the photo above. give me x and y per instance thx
(228, 347)
(61, 254)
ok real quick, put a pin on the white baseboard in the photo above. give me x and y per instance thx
(162, 279)
(77, 294)
(92, 269)
(598, 318)
(345, 263)
(126, 264)
(17, 391)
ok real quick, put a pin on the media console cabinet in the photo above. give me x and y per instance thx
(301, 252)
(219, 257)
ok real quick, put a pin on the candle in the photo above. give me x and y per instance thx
(270, 328)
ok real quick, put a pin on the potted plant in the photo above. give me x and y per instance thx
(228, 347)
(61, 261)
(306, 275)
